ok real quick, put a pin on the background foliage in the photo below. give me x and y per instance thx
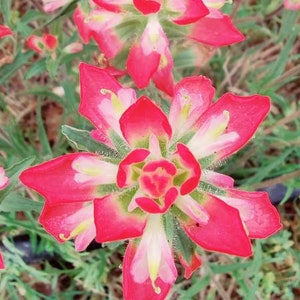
(32, 113)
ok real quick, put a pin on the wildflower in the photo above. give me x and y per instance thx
(73, 48)
(291, 4)
(52, 5)
(44, 44)
(4, 31)
(158, 171)
(2, 265)
(99, 24)
(3, 179)
(150, 55)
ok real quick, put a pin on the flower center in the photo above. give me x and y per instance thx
(157, 178)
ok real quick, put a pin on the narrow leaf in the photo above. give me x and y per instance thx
(82, 140)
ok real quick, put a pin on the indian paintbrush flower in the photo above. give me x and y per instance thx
(149, 56)
(47, 43)
(154, 182)
(5, 31)
(4, 180)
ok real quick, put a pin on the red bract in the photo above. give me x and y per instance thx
(2, 265)
(52, 5)
(3, 179)
(42, 44)
(4, 31)
(99, 24)
(149, 55)
(161, 173)
(291, 4)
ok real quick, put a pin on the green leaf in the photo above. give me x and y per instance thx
(42, 132)
(52, 66)
(5, 10)
(15, 202)
(207, 187)
(195, 288)
(13, 173)
(82, 140)
(9, 69)
(15, 170)
(182, 242)
(36, 69)
(119, 143)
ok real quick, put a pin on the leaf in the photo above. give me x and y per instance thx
(119, 143)
(52, 66)
(36, 69)
(15, 202)
(13, 174)
(9, 69)
(82, 140)
(195, 288)
(182, 243)
(42, 131)
(5, 10)
(15, 170)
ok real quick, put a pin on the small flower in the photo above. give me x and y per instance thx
(4, 180)
(160, 172)
(52, 5)
(2, 265)
(44, 44)
(150, 54)
(73, 48)
(291, 4)
(4, 31)
(99, 24)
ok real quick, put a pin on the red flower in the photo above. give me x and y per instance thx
(52, 5)
(43, 44)
(4, 180)
(159, 172)
(291, 4)
(150, 56)
(2, 265)
(4, 31)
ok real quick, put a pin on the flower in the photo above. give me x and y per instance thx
(156, 169)
(99, 24)
(45, 43)
(4, 181)
(291, 4)
(73, 48)
(4, 31)
(2, 265)
(150, 55)
(52, 5)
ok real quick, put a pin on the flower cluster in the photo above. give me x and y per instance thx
(150, 56)
(154, 182)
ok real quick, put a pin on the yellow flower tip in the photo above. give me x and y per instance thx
(116, 102)
(219, 130)
(157, 289)
(97, 18)
(63, 237)
(163, 61)
(81, 227)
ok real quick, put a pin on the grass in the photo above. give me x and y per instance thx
(31, 116)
